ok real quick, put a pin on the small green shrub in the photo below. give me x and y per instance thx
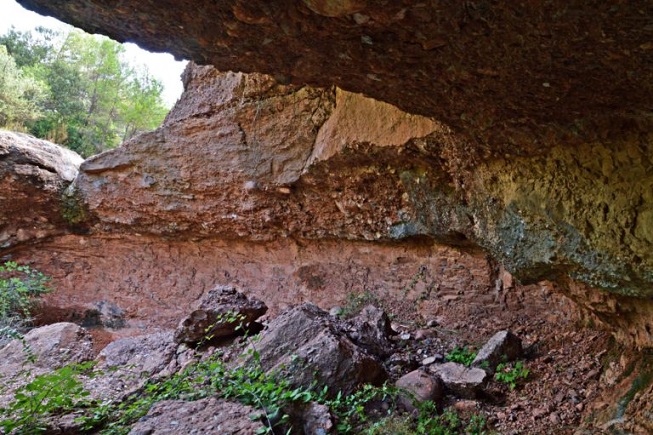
(511, 374)
(462, 355)
(54, 393)
(19, 286)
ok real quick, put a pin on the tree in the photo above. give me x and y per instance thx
(92, 97)
(20, 96)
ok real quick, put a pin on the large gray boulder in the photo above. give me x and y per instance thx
(306, 344)
(206, 416)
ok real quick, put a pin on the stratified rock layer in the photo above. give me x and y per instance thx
(244, 158)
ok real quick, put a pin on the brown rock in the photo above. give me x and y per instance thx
(222, 312)
(210, 416)
(306, 344)
(33, 175)
(418, 387)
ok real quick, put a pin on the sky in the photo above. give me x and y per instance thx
(161, 65)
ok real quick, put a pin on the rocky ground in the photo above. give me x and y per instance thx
(579, 381)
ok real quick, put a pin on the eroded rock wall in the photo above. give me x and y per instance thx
(245, 160)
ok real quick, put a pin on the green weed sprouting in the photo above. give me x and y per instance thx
(511, 374)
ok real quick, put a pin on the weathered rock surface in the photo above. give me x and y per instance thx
(504, 346)
(220, 313)
(371, 330)
(244, 157)
(478, 67)
(209, 416)
(33, 175)
(419, 386)
(127, 363)
(305, 344)
(52, 346)
(463, 381)
(317, 419)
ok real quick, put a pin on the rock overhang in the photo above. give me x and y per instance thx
(517, 76)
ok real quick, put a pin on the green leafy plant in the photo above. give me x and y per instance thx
(19, 287)
(49, 394)
(462, 355)
(509, 374)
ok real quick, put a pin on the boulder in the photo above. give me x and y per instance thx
(52, 346)
(503, 346)
(220, 313)
(419, 386)
(126, 364)
(306, 344)
(210, 416)
(371, 330)
(465, 382)
(33, 175)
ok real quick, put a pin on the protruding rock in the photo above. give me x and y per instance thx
(463, 381)
(33, 175)
(503, 346)
(220, 313)
(371, 330)
(306, 344)
(419, 386)
(210, 416)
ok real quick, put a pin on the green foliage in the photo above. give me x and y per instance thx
(20, 94)
(82, 93)
(511, 374)
(54, 393)
(428, 421)
(350, 409)
(19, 286)
(462, 355)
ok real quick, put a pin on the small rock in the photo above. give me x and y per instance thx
(463, 381)
(554, 418)
(504, 345)
(421, 334)
(539, 413)
(317, 419)
(428, 361)
(432, 323)
(336, 311)
(420, 387)
(466, 406)
(405, 336)
(371, 330)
